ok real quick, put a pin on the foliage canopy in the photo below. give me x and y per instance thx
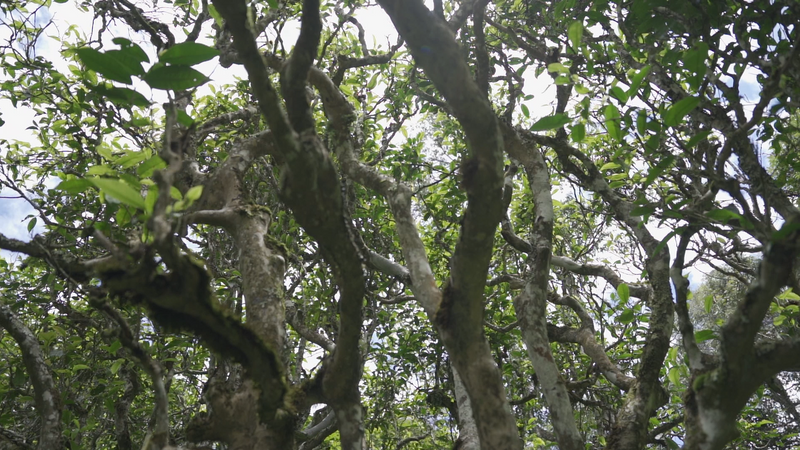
(366, 243)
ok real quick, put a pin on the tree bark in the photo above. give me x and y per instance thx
(46, 395)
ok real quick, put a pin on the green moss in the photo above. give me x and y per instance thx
(277, 245)
(253, 209)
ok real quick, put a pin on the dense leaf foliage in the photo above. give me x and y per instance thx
(342, 224)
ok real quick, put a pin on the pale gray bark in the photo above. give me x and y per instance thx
(45, 392)
(467, 430)
(605, 272)
(459, 317)
(585, 336)
(530, 304)
(310, 187)
(647, 393)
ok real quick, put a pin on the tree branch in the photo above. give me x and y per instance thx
(693, 353)
(48, 399)
(15, 439)
(530, 305)
(648, 393)
(460, 315)
(311, 189)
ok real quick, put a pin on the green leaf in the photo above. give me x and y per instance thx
(116, 365)
(557, 67)
(131, 50)
(672, 354)
(550, 122)
(31, 224)
(619, 94)
(708, 302)
(575, 33)
(185, 119)
(188, 54)
(525, 110)
(101, 170)
(581, 89)
(373, 81)
(624, 292)
(652, 144)
(578, 132)
(695, 59)
(131, 159)
(658, 170)
(728, 217)
(105, 151)
(609, 166)
(664, 241)
(78, 367)
(150, 199)
(116, 345)
(613, 122)
(643, 210)
(641, 122)
(216, 16)
(123, 217)
(174, 77)
(112, 64)
(704, 335)
(152, 164)
(785, 231)
(562, 80)
(701, 136)
(675, 114)
(74, 186)
(788, 295)
(616, 184)
(626, 316)
(674, 376)
(123, 96)
(636, 81)
(120, 190)
(48, 336)
(194, 193)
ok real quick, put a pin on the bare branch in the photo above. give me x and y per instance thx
(664, 427)
(503, 329)
(695, 356)
(294, 319)
(411, 439)
(605, 272)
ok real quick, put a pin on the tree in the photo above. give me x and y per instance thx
(388, 241)
(772, 410)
